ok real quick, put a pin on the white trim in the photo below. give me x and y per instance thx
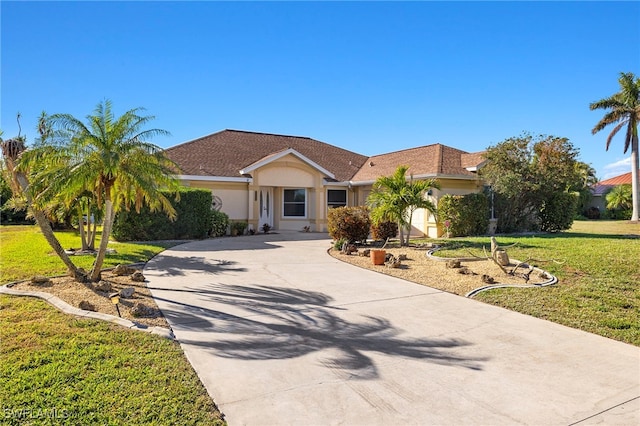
(343, 183)
(215, 178)
(423, 176)
(281, 154)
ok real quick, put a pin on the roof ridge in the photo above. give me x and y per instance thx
(264, 133)
(410, 149)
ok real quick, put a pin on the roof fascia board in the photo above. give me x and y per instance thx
(281, 154)
(215, 178)
(422, 176)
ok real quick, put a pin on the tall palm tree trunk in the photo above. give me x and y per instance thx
(104, 241)
(47, 231)
(635, 183)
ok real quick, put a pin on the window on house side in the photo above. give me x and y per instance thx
(336, 198)
(295, 202)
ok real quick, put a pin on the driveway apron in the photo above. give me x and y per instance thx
(280, 333)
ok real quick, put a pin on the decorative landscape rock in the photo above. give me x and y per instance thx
(393, 262)
(87, 306)
(103, 286)
(365, 253)
(141, 310)
(466, 271)
(137, 277)
(487, 279)
(123, 270)
(453, 263)
(40, 280)
(127, 292)
(402, 256)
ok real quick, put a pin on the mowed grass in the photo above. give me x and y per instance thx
(58, 369)
(24, 252)
(599, 277)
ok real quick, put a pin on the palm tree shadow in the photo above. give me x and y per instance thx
(180, 265)
(282, 323)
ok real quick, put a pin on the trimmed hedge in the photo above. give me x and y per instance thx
(193, 221)
(468, 214)
(349, 223)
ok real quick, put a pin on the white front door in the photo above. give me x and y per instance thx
(265, 204)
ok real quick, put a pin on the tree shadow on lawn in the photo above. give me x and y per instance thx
(283, 323)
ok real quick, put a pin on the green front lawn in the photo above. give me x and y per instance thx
(58, 369)
(24, 252)
(599, 277)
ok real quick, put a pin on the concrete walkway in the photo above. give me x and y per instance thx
(280, 333)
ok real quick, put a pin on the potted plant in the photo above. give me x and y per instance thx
(378, 256)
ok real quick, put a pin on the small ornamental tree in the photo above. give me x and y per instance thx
(531, 178)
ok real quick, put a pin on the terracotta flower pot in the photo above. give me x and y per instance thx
(377, 256)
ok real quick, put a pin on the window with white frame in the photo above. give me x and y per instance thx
(336, 198)
(294, 203)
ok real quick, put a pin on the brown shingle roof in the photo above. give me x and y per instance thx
(436, 159)
(605, 185)
(227, 152)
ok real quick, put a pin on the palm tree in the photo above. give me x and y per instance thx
(110, 157)
(624, 111)
(394, 198)
(619, 198)
(17, 175)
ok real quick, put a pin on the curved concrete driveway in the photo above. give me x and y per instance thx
(280, 333)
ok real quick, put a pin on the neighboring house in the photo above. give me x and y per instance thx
(289, 182)
(600, 190)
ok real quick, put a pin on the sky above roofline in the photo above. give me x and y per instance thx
(369, 77)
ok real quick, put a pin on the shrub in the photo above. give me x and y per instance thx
(238, 227)
(337, 244)
(468, 214)
(350, 223)
(557, 212)
(219, 223)
(384, 230)
(193, 220)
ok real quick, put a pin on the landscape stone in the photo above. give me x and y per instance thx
(87, 306)
(103, 286)
(141, 310)
(127, 292)
(138, 277)
(40, 280)
(123, 270)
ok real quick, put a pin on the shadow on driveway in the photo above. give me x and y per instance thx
(282, 323)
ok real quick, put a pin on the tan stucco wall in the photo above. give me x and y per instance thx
(289, 172)
(233, 195)
(423, 223)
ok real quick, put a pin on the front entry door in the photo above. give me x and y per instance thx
(265, 200)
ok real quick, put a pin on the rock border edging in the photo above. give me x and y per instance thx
(68, 309)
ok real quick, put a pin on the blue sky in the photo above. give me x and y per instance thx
(371, 77)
